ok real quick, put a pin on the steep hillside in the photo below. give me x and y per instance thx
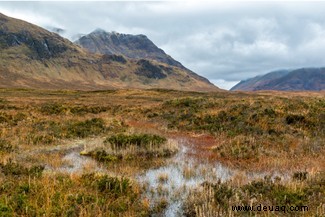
(131, 46)
(31, 57)
(312, 79)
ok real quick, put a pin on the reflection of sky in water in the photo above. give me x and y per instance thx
(73, 162)
(183, 173)
(178, 185)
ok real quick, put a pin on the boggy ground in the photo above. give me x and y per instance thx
(160, 152)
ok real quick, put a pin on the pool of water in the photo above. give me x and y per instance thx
(174, 181)
(170, 183)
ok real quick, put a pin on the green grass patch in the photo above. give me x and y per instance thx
(134, 147)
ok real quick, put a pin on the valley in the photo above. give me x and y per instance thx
(160, 152)
(111, 125)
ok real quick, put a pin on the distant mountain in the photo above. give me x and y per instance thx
(131, 46)
(32, 57)
(312, 79)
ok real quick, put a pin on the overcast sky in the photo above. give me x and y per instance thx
(225, 42)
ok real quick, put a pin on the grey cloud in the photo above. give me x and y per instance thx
(225, 42)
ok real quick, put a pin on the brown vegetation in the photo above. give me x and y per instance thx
(251, 132)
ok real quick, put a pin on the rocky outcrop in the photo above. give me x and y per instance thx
(131, 46)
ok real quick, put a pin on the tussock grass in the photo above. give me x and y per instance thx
(133, 147)
(217, 199)
(251, 129)
(87, 195)
(163, 177)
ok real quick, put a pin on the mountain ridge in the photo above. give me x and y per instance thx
(32, 57)
(302, 79)
(131, 46)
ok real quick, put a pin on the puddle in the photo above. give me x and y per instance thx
(77, 163)
(183, 173)
(173, 182)
(73, 162)
(170, 183)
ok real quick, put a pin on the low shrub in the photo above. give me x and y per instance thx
(15, 169)
(53, 109)
(300, 176)
(295, 119)
(86, 128)
(79, 110)
(114, 57)
(11, 120)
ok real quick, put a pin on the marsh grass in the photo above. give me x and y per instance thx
(163, 178)
(217, 199)
(132, 147)
(87, 195)
(11, 168)
(254, 132)
(252, 129)
(6, 146)
(189, 172)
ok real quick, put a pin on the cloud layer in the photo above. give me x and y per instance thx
(225, 42)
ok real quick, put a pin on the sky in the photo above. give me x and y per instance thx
(223, 41)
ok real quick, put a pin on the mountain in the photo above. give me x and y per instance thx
(57, 30)
(131, 46)
(260, 80)
(310, 79)
(32, 57)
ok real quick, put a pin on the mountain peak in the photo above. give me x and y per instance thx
(41, 43)
(98, 30)
(131, 46)
(33, 57)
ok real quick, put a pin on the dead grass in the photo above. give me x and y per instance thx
(254, 132)
(217, 199)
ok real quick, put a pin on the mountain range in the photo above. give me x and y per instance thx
(303, 79)
(32, 57)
